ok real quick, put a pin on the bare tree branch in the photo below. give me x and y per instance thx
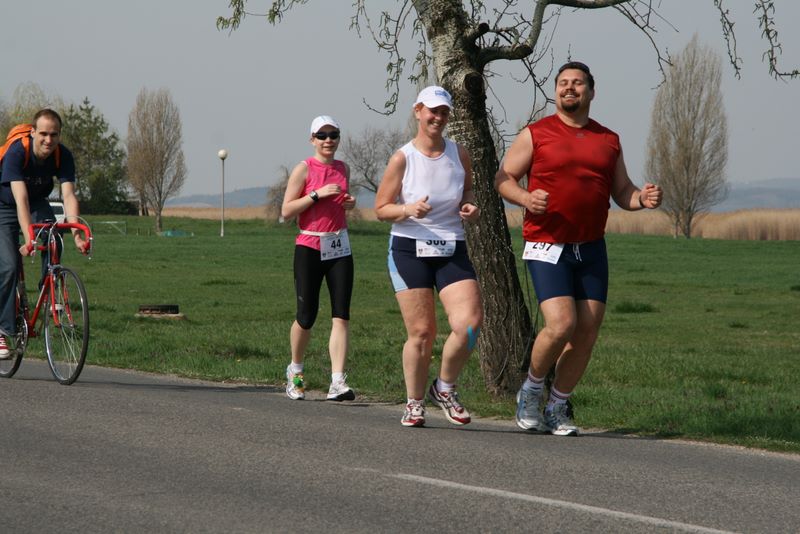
(729, 35)
(766, 21)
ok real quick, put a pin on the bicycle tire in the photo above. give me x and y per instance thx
(66, 336)
(19, 341)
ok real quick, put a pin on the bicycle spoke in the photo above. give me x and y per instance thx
(66, 326)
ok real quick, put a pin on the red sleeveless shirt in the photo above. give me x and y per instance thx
(576, 167)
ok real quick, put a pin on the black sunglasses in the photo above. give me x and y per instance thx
(324, 135)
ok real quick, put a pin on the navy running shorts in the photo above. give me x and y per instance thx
(407, 271)
(581, 272)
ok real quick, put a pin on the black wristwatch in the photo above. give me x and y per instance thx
(314, 196)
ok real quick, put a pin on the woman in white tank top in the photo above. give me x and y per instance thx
(426, 192)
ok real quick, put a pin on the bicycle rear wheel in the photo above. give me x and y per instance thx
(9, 366)
(66, 329)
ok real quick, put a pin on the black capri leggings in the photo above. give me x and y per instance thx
(309, 270)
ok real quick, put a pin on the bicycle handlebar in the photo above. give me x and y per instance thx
(35, 228)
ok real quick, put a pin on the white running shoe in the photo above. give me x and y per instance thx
(414, 414)
(559, 419)
(529, 411)
(449, 403)
(295, 386)
(340, 391)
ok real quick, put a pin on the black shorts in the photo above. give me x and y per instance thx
(309, 271)
(581, 273)
(407, 271)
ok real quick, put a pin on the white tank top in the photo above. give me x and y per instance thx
(441, 179)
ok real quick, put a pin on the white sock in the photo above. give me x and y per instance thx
(533, 384)
(444, 387)
(337, 377)
(295, 368)
(557, 397)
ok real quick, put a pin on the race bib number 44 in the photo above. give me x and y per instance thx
(334, 246)
(435, 248)
(548, 252)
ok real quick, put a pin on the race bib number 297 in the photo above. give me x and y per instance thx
(547, 252)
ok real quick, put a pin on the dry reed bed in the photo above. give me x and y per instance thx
(249, 212)
(756, 224)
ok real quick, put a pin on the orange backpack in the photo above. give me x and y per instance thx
(23, 132)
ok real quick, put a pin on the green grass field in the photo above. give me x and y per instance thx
(701, 338)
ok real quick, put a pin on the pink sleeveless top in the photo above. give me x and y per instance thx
(327, 214)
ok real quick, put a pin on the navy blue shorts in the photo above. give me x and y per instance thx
(581, 273)
(407, 271)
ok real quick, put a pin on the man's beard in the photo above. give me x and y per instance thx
(571, 108)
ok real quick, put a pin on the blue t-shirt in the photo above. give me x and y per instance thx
(37, 174)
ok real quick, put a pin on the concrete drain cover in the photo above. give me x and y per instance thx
(160, 311)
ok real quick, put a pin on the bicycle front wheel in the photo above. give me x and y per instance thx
(66, 326)
(19, 340)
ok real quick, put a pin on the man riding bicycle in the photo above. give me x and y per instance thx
(26, 181)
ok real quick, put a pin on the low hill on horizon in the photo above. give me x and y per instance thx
(240, 198)
(776, 193)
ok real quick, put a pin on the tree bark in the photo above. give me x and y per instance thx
(505, 339)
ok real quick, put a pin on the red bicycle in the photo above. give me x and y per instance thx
(62, 304)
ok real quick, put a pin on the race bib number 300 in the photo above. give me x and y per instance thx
(435, 248)
(334, 246)
(548, 252)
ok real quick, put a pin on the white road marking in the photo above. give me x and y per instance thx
(655, 521)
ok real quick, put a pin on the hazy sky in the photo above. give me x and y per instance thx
(254, 92)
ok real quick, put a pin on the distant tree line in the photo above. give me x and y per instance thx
(101, 182)
(109, 178)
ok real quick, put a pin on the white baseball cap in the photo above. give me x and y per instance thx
(323, 120)
(433, 97)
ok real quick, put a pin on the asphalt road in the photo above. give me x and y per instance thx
(130, 452)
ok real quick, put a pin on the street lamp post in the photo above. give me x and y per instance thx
(222, 155)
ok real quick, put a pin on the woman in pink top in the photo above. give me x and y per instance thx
(317, 194)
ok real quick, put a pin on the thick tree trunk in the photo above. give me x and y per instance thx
(505, 339)
(504, 343)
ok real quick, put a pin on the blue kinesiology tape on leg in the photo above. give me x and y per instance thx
(472, 336)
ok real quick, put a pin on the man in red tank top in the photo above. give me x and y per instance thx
(574, 167)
